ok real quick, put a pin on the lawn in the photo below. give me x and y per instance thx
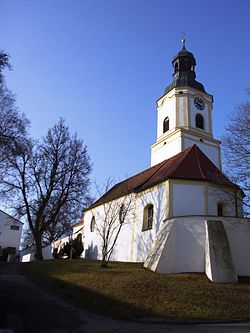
(128, 291)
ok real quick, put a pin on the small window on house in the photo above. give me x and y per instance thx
(92, 224)
(14, 227)
(122, 214)
(199, 121)
(148, 215)
(220, 209)
(166, 125)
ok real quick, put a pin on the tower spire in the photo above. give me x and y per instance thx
(183, 40)
(184, 69)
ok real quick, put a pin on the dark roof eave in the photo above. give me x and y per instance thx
(191, 164)
(138, 190)
(183, 87)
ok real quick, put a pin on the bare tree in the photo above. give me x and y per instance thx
(13, 123)
(236, 144)
(4, 63)
(48, 182)
(110, 218)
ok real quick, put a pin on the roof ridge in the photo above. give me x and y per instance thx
(14, 218)
(162, 164)
(187, 152)
(199, 162)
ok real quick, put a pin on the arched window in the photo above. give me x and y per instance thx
(220, 209)
(176, 67)
(122, 214)
(92, 224)
(199, 121)
(148, 215)
(166, 125)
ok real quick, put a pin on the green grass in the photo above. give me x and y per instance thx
(128, 291)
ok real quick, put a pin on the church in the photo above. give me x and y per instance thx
(182, 214)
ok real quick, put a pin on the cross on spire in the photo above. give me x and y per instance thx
(183, 40)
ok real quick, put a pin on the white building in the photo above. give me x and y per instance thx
(29, 254)
(184, 214)
(10, 234)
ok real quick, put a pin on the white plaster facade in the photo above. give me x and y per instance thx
(10, 232)
(171, 199)
(178, 106)
(183, 245)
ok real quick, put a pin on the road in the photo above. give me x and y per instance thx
(27, 308)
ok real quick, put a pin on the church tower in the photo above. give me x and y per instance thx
(184, 114)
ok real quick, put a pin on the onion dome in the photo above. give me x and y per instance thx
(184, 73)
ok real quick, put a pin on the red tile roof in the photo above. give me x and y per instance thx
(190, 164)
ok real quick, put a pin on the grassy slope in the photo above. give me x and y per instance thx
(128, 291)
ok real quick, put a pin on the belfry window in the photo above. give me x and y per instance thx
(199, 121)
(148, 215)
(92, 224)
(220, 209)
(166, 125)
(176, 67)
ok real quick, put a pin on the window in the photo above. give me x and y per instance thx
(92, 224)
(176, 67)
(220, 209)
(148, 215)
(166, 125)
(122, 214)
(14, 227)
(199, 121)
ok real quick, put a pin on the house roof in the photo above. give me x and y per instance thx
(190, 164)
(9, 216)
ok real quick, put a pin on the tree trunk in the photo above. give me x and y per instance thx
(38, 242)
(104, 262)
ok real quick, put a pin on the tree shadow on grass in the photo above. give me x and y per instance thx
(96, 302)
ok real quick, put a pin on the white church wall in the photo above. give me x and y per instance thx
(132, 243)
(184, 246)
(93, 240)
(77, 229)
(182, 112)
(183, 249)
(188, 199)
(225, 197)
(157, 257)
(219, 266)
(169, 147)
(238, 233)
(142, 240)
(166, 109)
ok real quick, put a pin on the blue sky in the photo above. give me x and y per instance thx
(102, 64)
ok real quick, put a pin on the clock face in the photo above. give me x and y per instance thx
(199, 103)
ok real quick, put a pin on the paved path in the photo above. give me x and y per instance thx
(27, 308)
